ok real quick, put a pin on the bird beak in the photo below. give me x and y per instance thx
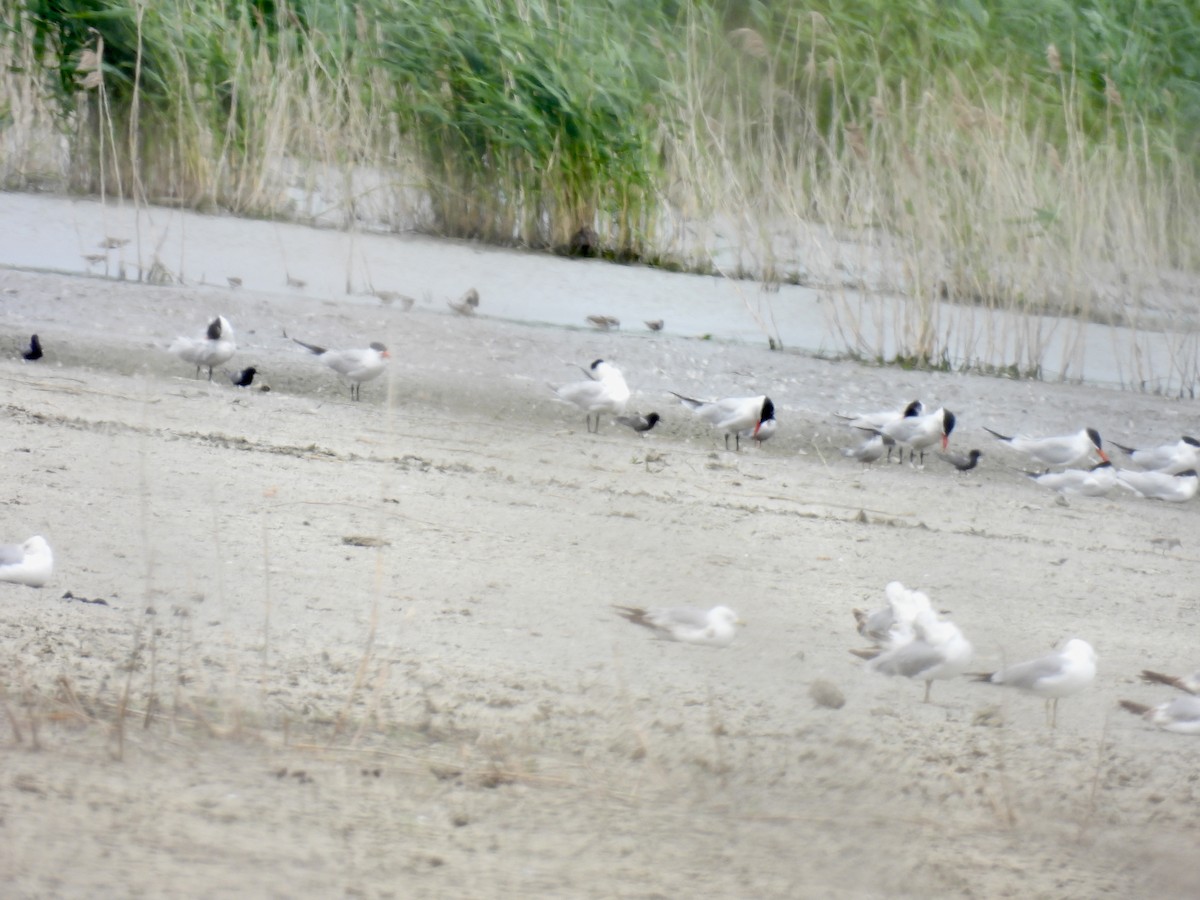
(945, 440)
(756, 427)
(1103, 455)
(386, 355)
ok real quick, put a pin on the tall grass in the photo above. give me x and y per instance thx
(986, 161)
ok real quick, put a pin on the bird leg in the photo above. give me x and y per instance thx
(928, 688)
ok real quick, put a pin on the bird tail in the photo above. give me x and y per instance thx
(1003, 437)
(1159, 678)
(980, 676)
(632, 613)
(311, 348)
(1137, 709)
(1122, 447)
(866, 652)
(690, 402)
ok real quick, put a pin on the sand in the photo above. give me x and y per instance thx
(368, 649)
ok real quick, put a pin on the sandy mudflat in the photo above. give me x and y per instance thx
(367, 649)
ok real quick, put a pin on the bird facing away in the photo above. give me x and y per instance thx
(1189, 684)
(1064, 672)
(466, 304)
(214, 349)
(30, 563)
(640, 423)
(1174, 458)
(1067, 450)
(733, 415)
(244, 378)
(604, 392)
(1161, 485)
(871, 450)
(34, 350)
(1180, 715)
(1094, 482)
(356, 366)
(716, 627)
(892, 624)
(936, 650)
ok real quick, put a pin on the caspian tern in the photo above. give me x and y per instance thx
(640, 423)
(34, 350)
(356, 366)
(605, 392)
(733, 415)
(1068, 450)
(937, 650)
(870, 450)
(1094, 482)
(1180, 715)
(920, 432)
(716, 627)
(1189, 684)
(1174, 458)
(215, 348)
(1062, 673)
(30, 563)
(1161, 485)
(876, 420)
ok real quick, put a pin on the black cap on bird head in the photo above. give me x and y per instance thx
(914, 409)
(596, 363)
(1187, 440)
(1095, 437)
(214, 329)
(768, 410)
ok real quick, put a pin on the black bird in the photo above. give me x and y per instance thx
(35, 349)
(244, 378)
(960, 462)
(640, 423)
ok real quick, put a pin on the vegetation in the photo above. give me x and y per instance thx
(1012, 158)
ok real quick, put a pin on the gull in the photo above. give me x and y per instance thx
(892, 624)
(733, 415)
(1180, 715)
(215, 348)
(1068, 450)
(937, 650)
(960, 462)
(870, 450)
(356, 366)
(920, 432)
(244, 378)
(1065, 672)
(1094, 482)
(1174, 458)
(30, 563)
(716, 627)
(1187, 683)
(640, 423)
(1161, 485)
(34, 350)
(466, 304)
(605, 392)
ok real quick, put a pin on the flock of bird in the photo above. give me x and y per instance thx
(909, 637)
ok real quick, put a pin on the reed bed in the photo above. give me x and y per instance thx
(971, 185)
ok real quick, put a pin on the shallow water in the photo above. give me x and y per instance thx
(69, 235)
